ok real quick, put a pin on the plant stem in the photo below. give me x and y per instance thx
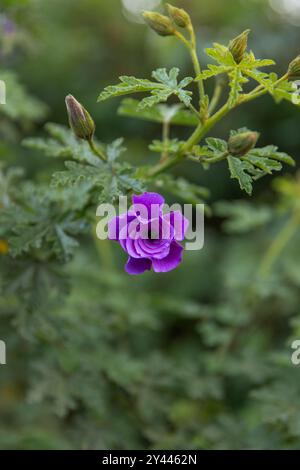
(216, 97)
(192, 47)
(96, 151)
(216, 159)
(259, 91)
(165, 138)
(194, 110)
(197, 135)
(202, 129)
(279, 243)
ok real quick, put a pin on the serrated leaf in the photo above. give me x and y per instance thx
(20, 105)
(63, 144)
(221, 54)
(76, 173)
(242, 216)
(271, 152)
(236, 80)
(286, 90)
(128, 85)
(212, 71)
(238, 170)
(250, 62)
(115, 149)
(217, 146)
(265, 164)
(67, 243)
(170, 146)
(165, 86)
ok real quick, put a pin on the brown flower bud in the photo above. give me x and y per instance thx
(238, 46)
(294, 69)
(80, 120)
(180, 17)
(161, 24)
(240, 144)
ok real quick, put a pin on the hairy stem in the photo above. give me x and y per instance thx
(192, 47)
(196, 137)
(165, 138)
(216, 97)
(97, 151)
(260, 90)
(202, 129)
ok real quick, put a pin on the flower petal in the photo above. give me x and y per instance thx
(157, 249)
(117, 224)
(136, 266)
(151, 202)
(178, 222)
(171, 261)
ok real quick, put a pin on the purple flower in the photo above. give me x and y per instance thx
(148, 236)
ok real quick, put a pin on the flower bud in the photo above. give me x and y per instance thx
(80, 120)
(294, 69)
(240, 144)
(3, 247)
(238, 46)
(180, 17)
(161, 24)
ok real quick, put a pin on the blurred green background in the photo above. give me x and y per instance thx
(197, 358)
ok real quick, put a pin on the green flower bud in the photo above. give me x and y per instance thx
(238, 46)
(240, 144)
(294, 69)
(180, 17)
(80, 120)
(161, 24)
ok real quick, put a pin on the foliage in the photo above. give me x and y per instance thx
(195, 359)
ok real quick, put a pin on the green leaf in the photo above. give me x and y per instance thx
(242, 216)
(238, 170)
(67, 243)
(20, 105)
(166, 85)
(212, 71)
(286, 90)
(63, 144)
(221, 54)
(115, 149)
(260, 77)
(236, 80)
(128, 85)
(170, 146)
(236, 72)
(250, 62)
(270, 152)
(217, 146)
(265, 164)
(77, 173)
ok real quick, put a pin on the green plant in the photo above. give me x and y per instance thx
(199, 361)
